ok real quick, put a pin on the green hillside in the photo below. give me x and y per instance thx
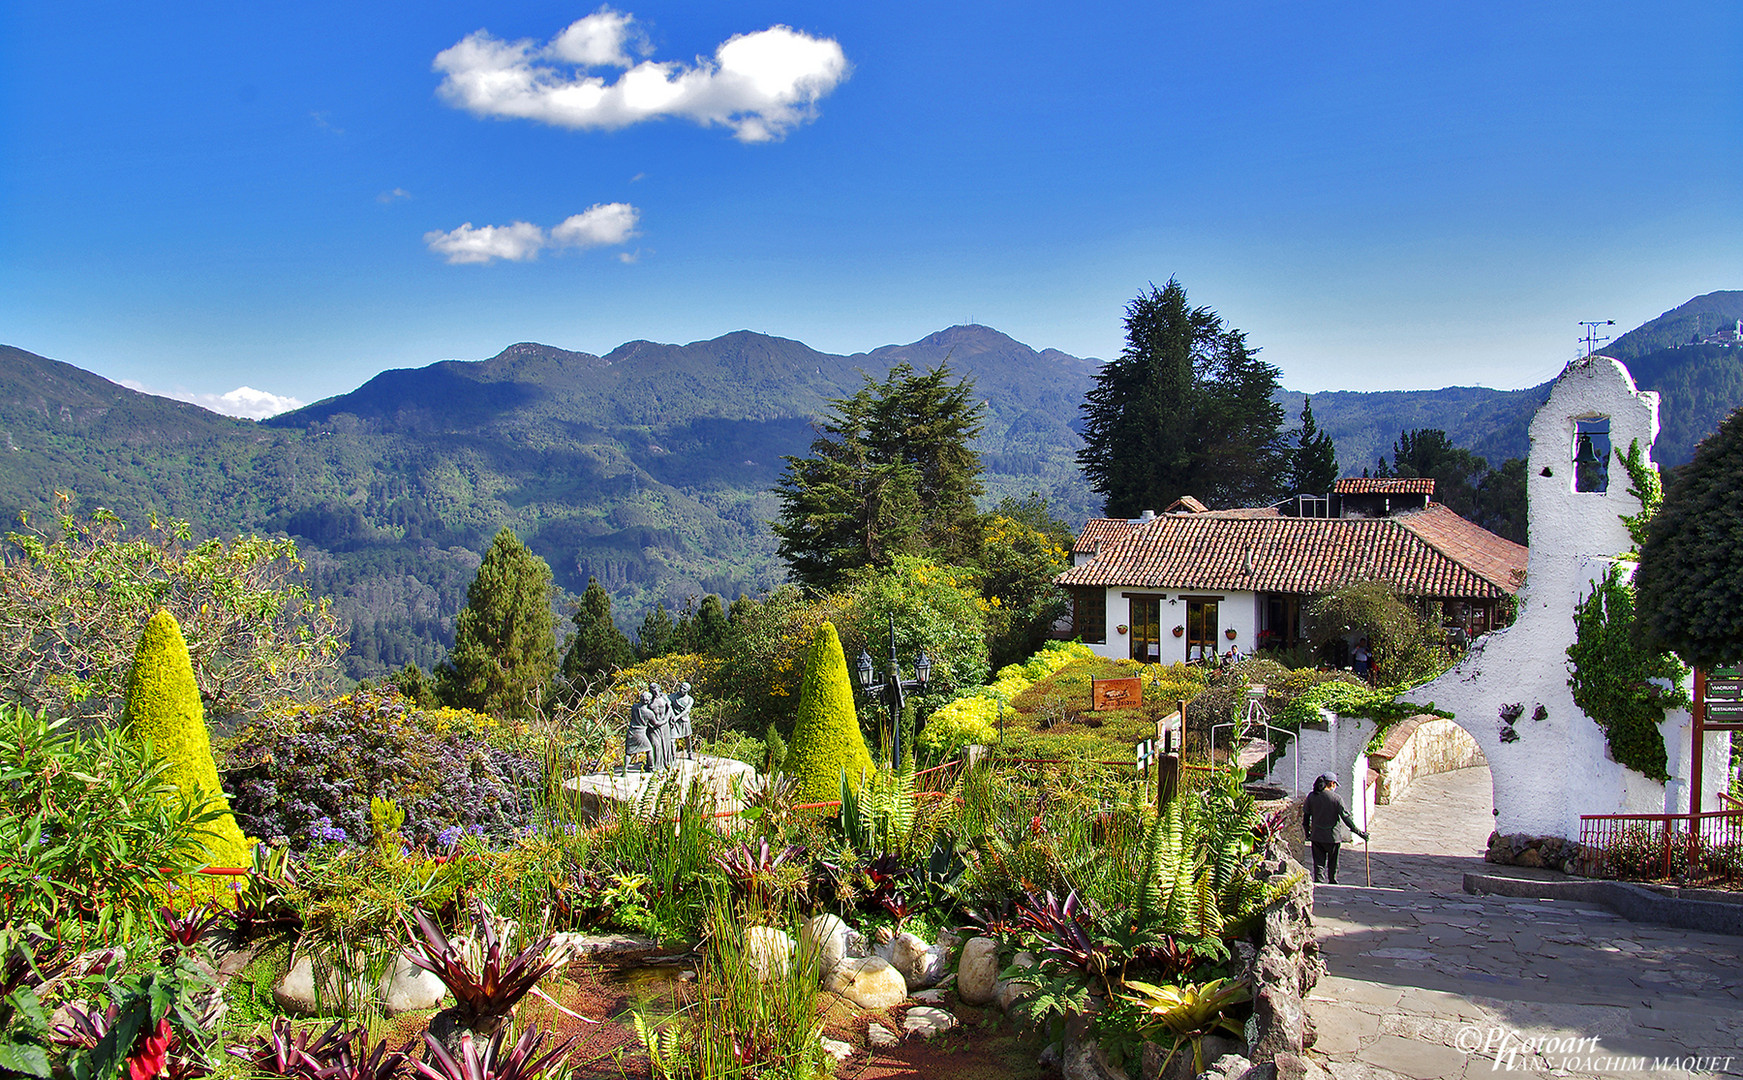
(649, 468)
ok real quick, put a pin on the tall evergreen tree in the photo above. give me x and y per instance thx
(505, 641)
(890, 473)
(702, 628)
(656, 634)
(597, 646)
(1313, 464)
(1186, 409)
(1463, 482)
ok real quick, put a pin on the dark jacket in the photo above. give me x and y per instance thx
(1323, 815)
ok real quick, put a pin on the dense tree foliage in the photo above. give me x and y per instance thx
(1313, 463)
(891, 473)
(505, 644)
(74, 598)
(597, 646)
(1186, 409)
(1463, 482)
(1690, 582)
(657, 634)
(1023, 549)
(1408, 645)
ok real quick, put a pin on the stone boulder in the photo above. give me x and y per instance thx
(927, 1021)
(1009, 993)
(977, 976)
(406, 987)
(871, 982)
(767, 951)
(830, 937)
(295, 991)
(922, 965)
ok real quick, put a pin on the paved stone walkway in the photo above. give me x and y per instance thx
(1429, 983)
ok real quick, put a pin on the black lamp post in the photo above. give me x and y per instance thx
(893, 688)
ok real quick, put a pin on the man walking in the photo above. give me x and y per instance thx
(1328, 824)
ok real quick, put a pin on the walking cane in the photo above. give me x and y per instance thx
(1368, 858)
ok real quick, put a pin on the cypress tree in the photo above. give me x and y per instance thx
(656, 634)
(597, 645)
(163, 708)
(1313, 464)
(826, 740)
(1186, 409)
(505, 641)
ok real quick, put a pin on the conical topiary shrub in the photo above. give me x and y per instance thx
(826, 738)
(163, 708)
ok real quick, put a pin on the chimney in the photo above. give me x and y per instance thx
(1148, 515)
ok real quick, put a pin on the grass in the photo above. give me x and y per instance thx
(1053, 717)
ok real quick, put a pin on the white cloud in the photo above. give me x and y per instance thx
(760, 84)
(395, 195)
(518, 242)
(600, 225)
(602, 39)
(244, 401)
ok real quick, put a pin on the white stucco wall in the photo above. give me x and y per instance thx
(1236, 610)
(1341, 749)
(1560, 767)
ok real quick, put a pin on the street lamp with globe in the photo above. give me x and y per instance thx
(892, 688)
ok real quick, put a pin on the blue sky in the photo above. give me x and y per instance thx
(201, 196)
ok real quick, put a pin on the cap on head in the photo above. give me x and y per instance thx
(1328, 779)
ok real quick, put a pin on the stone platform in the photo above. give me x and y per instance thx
(726, 781)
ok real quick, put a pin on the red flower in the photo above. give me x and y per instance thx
(150, 1053)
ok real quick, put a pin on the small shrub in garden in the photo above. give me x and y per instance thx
(305, 763)
(826, 738)
(163, 709)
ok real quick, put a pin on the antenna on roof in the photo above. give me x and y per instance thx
(1591, 341)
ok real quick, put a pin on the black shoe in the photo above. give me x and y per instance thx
(1333, 881)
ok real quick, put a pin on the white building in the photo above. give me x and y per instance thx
(1190, 582)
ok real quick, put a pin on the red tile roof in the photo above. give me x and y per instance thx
(1428, 552)
(1186, 503)
(1365, 485)
(1098, 533)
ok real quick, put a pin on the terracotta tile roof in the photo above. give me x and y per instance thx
(1428, 552)
(1098, 533)
(1186, 503)
(1365, 485)
(1494, 559)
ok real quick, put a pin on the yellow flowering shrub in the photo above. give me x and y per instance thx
(973, 720)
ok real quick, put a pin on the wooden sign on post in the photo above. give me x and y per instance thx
(1107, 694)
(1718, 707)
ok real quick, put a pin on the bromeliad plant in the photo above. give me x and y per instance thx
(1186, 1014)
(486, 982)
(522, 1062)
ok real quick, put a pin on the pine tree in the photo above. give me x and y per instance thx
(826, 742)
(505, 641)
(597, 646)
(1186, 409)
(702, 630)
(657, 633)
(163, 708)
(1690, 583)
(1313, 464)
(891, 473)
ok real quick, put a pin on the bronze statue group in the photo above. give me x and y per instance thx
(658, 722)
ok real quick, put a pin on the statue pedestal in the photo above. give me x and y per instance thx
(724, 781)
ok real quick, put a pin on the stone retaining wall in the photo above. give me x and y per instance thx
(1421, 746)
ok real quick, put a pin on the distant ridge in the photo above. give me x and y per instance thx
(649, 468)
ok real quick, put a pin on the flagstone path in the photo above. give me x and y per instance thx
(1430, 983)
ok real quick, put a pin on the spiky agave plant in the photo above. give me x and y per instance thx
(486, 982)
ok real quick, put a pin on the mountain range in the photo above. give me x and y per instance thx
(650, 467)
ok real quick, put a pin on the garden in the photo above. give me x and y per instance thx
(375, 884)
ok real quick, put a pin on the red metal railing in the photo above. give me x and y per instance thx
(1691, 849)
